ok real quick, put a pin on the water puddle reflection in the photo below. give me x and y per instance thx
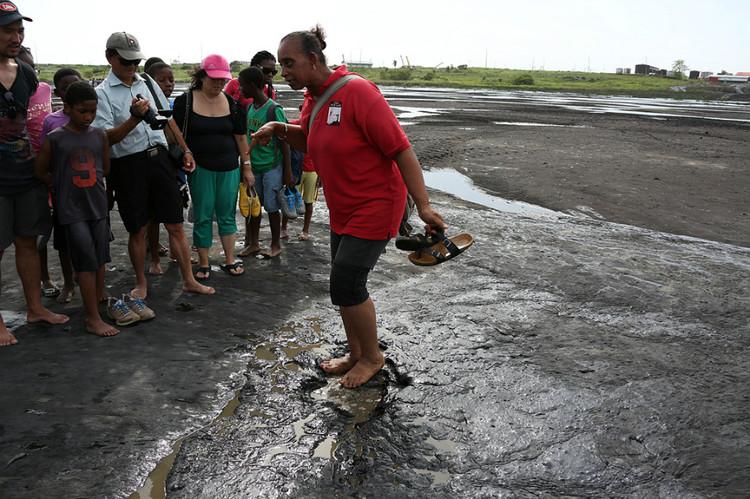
(461, 186)
(523, 123)
(155, 486)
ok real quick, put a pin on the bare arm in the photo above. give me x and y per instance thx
(286, 155)
(105, 156)
(246, 169)
(292, 134)
(42, 166)
(411, 171)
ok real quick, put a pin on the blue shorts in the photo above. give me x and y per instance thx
(268, 185)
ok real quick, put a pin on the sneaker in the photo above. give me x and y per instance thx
(119, 312)
(139, 307)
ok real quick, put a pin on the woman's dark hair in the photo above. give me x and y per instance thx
(79, 91)
(150, 62)
(312, 42)
(252, 75)
(261, 56)
(196, 81)
(154, 68)
(63, 73)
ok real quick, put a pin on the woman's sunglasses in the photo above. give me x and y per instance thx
(270, 71)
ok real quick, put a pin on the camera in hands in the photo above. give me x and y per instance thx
(157, 121)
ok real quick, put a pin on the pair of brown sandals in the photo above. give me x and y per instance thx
(434, 248)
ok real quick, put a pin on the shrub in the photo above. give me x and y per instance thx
(524, 79)
(401, 74)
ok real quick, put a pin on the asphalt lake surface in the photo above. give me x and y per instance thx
(593, 342)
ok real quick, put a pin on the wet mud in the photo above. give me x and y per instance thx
(595, 351)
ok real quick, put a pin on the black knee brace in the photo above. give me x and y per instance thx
(348, 285)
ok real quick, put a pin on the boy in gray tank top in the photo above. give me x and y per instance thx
(74, 160)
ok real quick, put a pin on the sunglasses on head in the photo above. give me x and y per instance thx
(10, 100)
(129, 62)
(270, 71)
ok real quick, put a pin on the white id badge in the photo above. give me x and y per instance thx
(334, 113)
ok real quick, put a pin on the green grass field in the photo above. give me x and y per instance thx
(505, 79)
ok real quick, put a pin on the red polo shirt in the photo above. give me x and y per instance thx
(353, 143)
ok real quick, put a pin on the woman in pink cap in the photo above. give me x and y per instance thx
(213, 125)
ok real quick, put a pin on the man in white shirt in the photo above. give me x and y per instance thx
(142, 174)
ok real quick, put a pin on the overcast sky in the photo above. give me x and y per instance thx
(551, 34)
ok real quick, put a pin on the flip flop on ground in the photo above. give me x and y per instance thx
(234, 269)
(447, 249)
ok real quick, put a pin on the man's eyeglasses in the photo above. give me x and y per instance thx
(270, 71)
(10, 101)
(129, 62)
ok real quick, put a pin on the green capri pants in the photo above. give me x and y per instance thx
(213, 193)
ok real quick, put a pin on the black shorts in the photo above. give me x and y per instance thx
(25, 214)
(88, 244)
(352, 259)
(146, 188)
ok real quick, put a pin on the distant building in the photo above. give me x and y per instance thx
(694, 75)
(742, 73)
(645, 69)
(728, 79)
(358, 64)
(619, 71)
(705, 74)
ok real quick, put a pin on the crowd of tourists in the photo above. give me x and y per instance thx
(128, 143)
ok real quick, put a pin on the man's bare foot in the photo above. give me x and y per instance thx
(284, 234)
(47, 316)
(100, 328)
(303, 236)
(362, 372)
(198, 288)
(339, 365)
(6, 337)
(155, 268)
(248, 251)
(139, 292)
(66, 294)
(270, 253)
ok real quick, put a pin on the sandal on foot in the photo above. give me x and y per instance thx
(447, 249)
(231, 268)
(206, 271)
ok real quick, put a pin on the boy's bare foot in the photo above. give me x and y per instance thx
(139, 292)
(66, 294)
(47, 316)
(198, 288)
(304, 236)
(6, 337)
(155, 268)
(362, 372)
(249, 250)
(270, 253)
(339, 365)
(284, 234)
(100, 328)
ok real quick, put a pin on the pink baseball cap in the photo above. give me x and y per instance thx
(216, 67)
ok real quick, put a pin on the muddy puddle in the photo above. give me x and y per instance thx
(457, 184)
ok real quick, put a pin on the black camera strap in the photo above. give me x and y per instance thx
(150, 85)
